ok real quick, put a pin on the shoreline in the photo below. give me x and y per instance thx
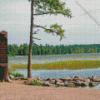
(15, 91)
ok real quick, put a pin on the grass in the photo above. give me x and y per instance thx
(35, 83)
(71, 65)
(15, 74)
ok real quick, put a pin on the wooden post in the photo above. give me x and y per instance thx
(3, 57)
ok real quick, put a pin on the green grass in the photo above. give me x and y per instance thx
(15, 74)
(71, 65)
(35, 83)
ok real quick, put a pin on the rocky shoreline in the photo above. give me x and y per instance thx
(74, 81)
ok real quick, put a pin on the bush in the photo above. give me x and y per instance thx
(15, 74)
(36, 83)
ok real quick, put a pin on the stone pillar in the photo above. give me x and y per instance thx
(3, 56)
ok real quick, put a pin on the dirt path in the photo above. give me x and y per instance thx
(18, 91)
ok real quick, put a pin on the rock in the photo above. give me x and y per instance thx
(42, 81)
(11, 77)
(58, 80)
(52, 81)
(84, 84)
(65, 79)
(97, 79)
(21, 78)
(36, 78)
(60, 84)
(86, 80)
(78, 77)
(9, 80)
(29, 80)
(92, 78)
(70, 84)
(78, 83)
(93, 84)
(46, 83)
(48, 79)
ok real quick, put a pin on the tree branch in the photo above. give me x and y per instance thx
(36, 38)
(48, 13)
(41, 14)
(44, 28)
(35, 43)
(50, 30)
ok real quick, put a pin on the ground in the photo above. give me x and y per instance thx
(19, 91)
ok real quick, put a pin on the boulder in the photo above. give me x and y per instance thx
(97, 79)
(58, 80)
(48, 79)
(86, 80)
(46, 83)
(52, 81)
(70, 84)
(93, 84)
(84, 84)
(21, 78)
(65, 79)
(11, 77)
(92, 78)
(78, 77)
(29, 80)
(36, 78)
(78, 83)
(60, 84)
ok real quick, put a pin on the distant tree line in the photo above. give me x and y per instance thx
(52, 50)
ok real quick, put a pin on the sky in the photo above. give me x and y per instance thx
(82, 28)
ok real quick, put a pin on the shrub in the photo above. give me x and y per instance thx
(15, 74)
(36, 83)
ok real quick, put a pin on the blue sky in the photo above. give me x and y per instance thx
(81, 29)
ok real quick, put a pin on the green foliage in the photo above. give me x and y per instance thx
(55, 28)
(15, 74)
(35, 83)
(51, 50)
(52, 7)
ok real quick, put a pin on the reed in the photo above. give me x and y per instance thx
(70, 65)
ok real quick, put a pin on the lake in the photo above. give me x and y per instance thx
(53, 58)
(58, 73)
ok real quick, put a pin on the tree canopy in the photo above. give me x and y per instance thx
(51, 7)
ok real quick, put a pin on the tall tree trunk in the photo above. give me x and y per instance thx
(31, 40)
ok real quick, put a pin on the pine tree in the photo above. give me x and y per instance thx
(43, 7)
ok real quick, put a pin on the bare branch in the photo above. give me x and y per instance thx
(36, 38)
(35, 33)
(35, 43)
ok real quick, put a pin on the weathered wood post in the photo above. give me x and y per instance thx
(3, 57)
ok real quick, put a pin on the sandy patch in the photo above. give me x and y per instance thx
(18, 91)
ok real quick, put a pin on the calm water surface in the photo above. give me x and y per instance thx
(58, 73)
(53, 58)
(63, 73)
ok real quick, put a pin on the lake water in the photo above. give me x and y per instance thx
(58, 73)
(63, 73)
(53, 58)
